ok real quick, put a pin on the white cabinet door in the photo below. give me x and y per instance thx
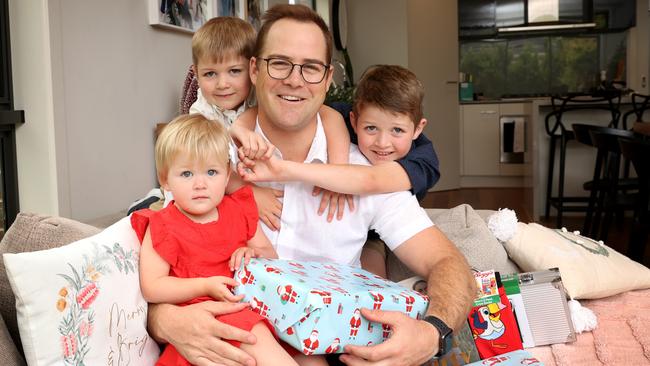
(480, 139)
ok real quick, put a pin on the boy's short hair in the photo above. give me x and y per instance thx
(299, 13)
(392, 88)
(193, 134)
(221, 38)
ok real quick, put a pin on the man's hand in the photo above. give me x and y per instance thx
(335, 201)
(197, 335)
(269, 206)
(411, 343)
(244, 253)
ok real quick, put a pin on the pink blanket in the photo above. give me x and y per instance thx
(621, 338)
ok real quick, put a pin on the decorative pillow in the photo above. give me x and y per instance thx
(31, 232)
(80, 304)
(589, 269)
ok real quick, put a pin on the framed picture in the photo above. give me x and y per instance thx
(254, 11)
(185, 16)
(231, 8)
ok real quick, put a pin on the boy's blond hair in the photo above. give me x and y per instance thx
(221, 38)
(392, 88)
(195, 135)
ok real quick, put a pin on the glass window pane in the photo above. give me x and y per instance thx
(527, 71)
(574, 64)
(485, 61)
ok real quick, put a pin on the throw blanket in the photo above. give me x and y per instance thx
(621, 338)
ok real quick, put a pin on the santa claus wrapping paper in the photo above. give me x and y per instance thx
(315, 307)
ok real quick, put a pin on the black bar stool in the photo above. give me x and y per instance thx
(610, 200)
(555, 124)
(638, 151)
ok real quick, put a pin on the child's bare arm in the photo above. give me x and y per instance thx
(258, 246)
(253, 146)
(159, 287)
(343, 178)
(338, 139)
(338, 148)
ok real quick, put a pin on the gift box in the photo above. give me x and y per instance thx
(315, 307)
(514, 358)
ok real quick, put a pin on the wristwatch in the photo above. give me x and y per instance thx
(445, 343)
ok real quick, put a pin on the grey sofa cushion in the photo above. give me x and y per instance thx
(32, 232)
(469, 232)
(8, 351)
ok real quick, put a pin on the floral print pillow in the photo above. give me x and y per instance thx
(80, 304)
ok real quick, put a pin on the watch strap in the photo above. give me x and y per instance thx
(445, 334)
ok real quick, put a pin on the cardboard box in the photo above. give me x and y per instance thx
(315, 307)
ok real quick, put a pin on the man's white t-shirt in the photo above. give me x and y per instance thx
(304, 235)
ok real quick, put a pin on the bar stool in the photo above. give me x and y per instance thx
(583, 136)
(554, 124)
(637, 151)
(610, 200)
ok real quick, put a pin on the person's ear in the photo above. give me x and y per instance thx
(353, 122)
(162, 179)
(252, 70)
(329, 77)
(419, 128)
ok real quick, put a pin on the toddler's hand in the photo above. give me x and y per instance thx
(244, 252)
(218, 287)
(253, 146)
(261, 170)
(335, 201)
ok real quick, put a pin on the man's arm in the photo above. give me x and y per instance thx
(451, 291)
(450, 281)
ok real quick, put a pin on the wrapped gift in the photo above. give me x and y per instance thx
(514, 358)
(315, 307)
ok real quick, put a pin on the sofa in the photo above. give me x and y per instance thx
(466, 227)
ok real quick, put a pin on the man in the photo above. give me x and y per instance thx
(287, 116)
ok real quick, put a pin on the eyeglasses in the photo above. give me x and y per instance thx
(280, 69)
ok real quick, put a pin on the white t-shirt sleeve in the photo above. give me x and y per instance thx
(398, 217)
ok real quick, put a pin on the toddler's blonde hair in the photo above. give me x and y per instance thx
(195, 135)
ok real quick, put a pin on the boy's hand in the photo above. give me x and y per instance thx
(261, 170)
(253, 146)
(269, 206)
(335, 201)
(244, 252)
(217, 287)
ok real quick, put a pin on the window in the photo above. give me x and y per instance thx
(545, 65)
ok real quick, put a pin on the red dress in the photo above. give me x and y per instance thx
(202, 250)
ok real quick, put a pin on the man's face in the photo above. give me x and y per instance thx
(290, 104)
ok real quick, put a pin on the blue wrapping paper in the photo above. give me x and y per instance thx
(514, 358)
(315, 306)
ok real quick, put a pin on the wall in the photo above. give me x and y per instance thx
(377, 33)
(114, 77)
(32, 81)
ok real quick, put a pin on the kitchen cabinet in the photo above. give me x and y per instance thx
(481, 139)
